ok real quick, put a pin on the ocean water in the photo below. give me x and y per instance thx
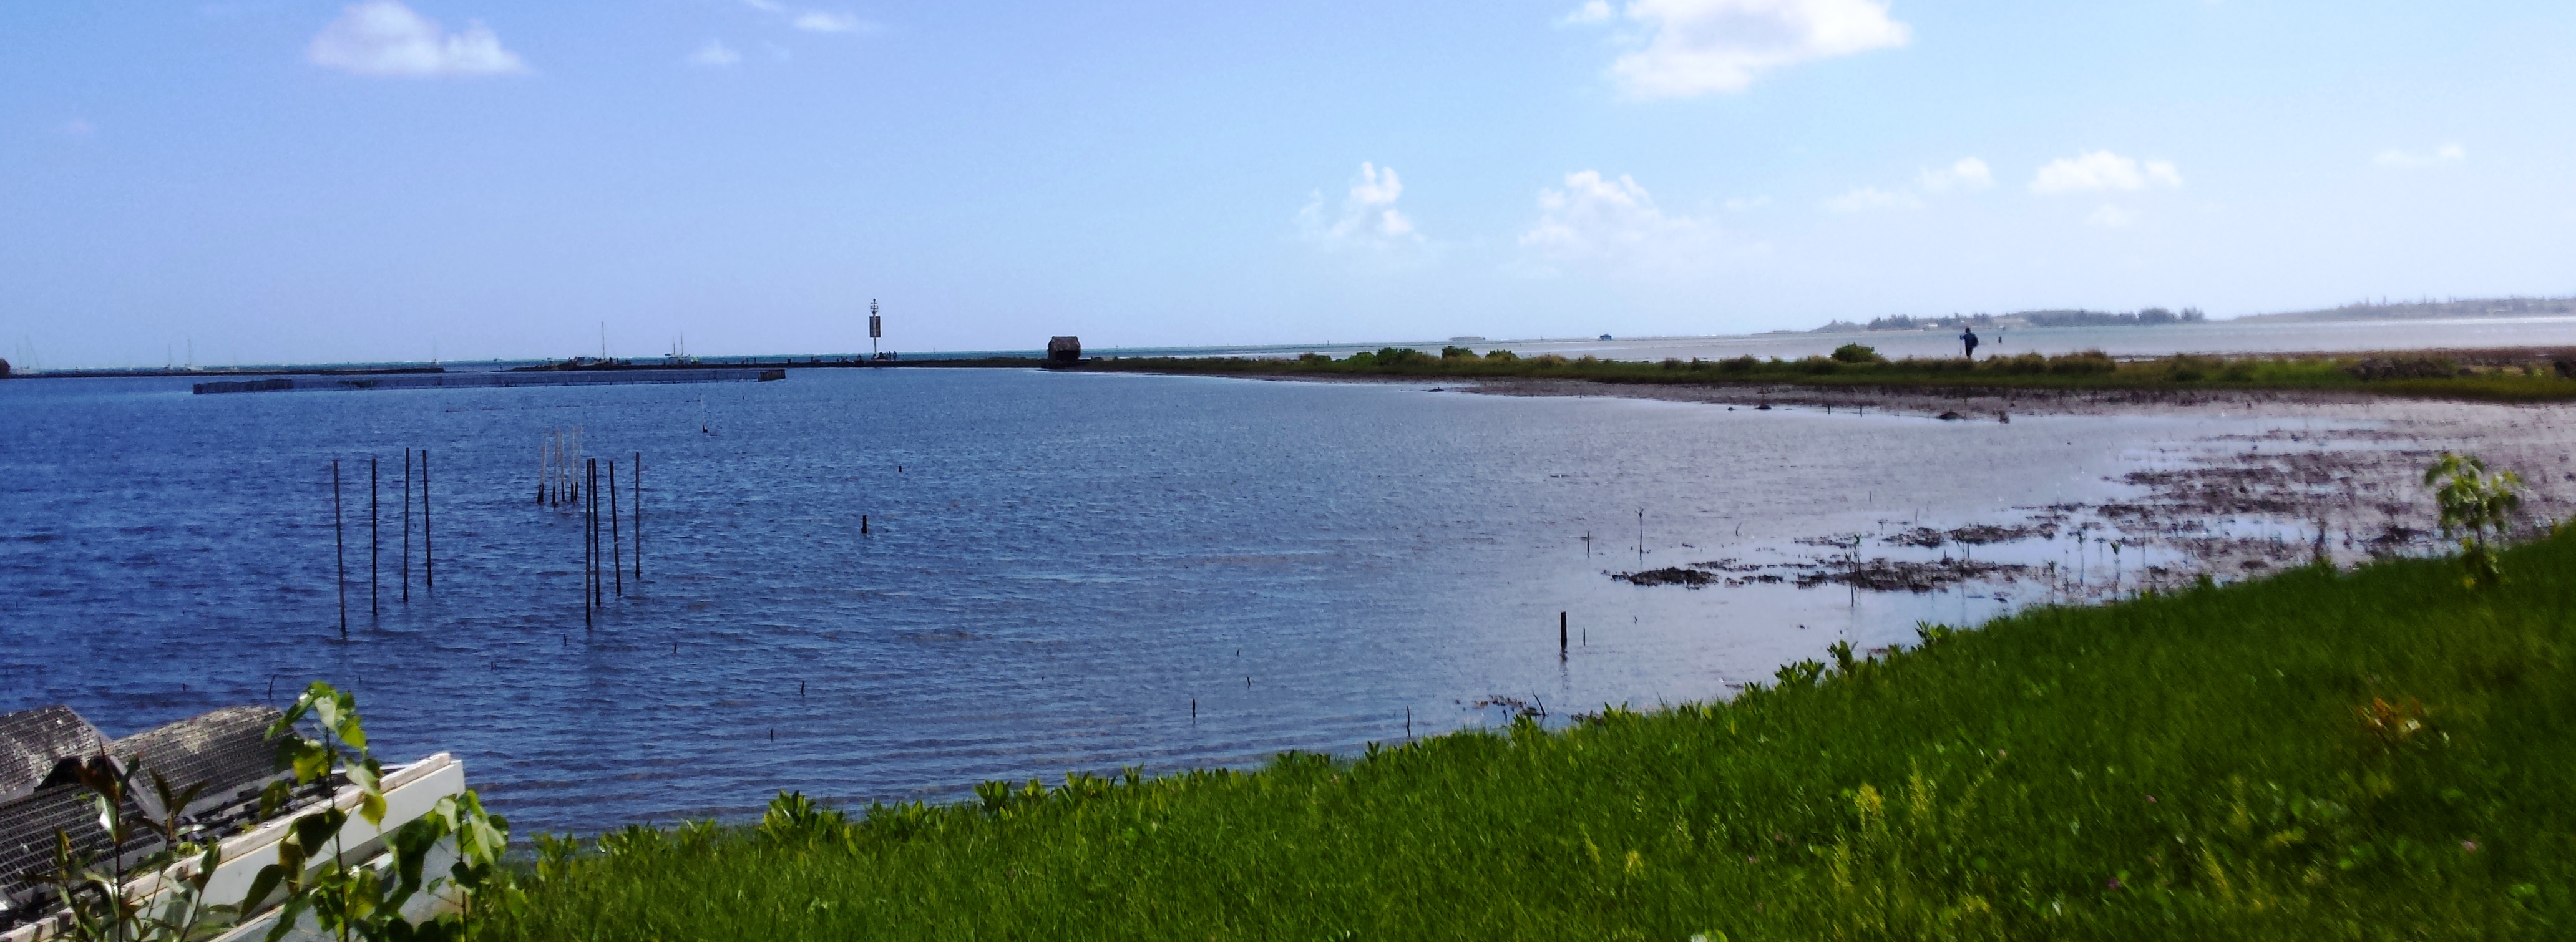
(1062, 572)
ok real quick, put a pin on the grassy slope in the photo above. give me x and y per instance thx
(2519, 382)
(2208, 751)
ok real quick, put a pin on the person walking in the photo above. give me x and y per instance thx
(1968, 337)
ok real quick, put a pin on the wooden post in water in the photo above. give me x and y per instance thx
(340, 549)
(591, 500)
(374, 547)
(635, 476)
(586, 608)
(1560, 635)
(428, 558)
(406, 556)
(616, 542)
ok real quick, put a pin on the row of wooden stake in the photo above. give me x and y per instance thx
(556, 458)
(596, 579)
(375, 544)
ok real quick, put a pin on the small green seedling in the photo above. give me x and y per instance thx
(2476, 508)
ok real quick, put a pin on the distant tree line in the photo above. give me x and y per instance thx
(2385, 309)
(2153, 315)
(2068, 318)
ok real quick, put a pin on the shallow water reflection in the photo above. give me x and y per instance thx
(1058, 567)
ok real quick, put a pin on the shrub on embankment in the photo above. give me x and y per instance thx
(2383, 753)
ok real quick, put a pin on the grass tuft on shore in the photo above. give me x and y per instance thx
(2501, 376)
(2381, 753)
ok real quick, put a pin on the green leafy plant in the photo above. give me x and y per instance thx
(794, 817)
(347, 901)
(97, 899)
(1857, 353)
(2476, 508)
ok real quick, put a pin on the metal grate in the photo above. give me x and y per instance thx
(228, 750)
(27, 839)
(32, 740)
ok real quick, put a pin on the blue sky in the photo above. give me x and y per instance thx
(309, 181)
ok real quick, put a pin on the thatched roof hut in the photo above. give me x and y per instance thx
(1064, 349)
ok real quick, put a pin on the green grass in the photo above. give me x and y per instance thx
(2504, 379)
(2377, 754)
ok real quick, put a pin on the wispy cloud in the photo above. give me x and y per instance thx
(1695, 47)
(1614, 224)
(385, 38)
(715, 54)
(1968, 173)
(1367, 215)
(1869, 197)
(813, 20)
(2109, 216)
(1595, 11)
(2103, 170)
(2409, 160)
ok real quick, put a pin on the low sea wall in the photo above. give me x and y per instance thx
(492, 380)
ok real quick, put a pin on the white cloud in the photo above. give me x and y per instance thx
(1368, 215)
(817, 21)
(1615, 224)
(714, 53)
(2110, 217)
(1968, 173)
(1702, 46)
(1869, 197)
(1740, 204)
(1594, 12)
(2103, 170)
(2404, 160)
(812, 20)
(385, 38)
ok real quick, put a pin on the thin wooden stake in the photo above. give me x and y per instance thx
(586, 606)
(374, 547)
(406, 554)
(616, 559)
(428, 559)
(340, 549)
(1560, 635)
(636, 478)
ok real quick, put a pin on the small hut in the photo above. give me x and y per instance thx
(4, 369)
(1064, 349)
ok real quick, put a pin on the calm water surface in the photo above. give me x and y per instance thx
(1058, 566)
